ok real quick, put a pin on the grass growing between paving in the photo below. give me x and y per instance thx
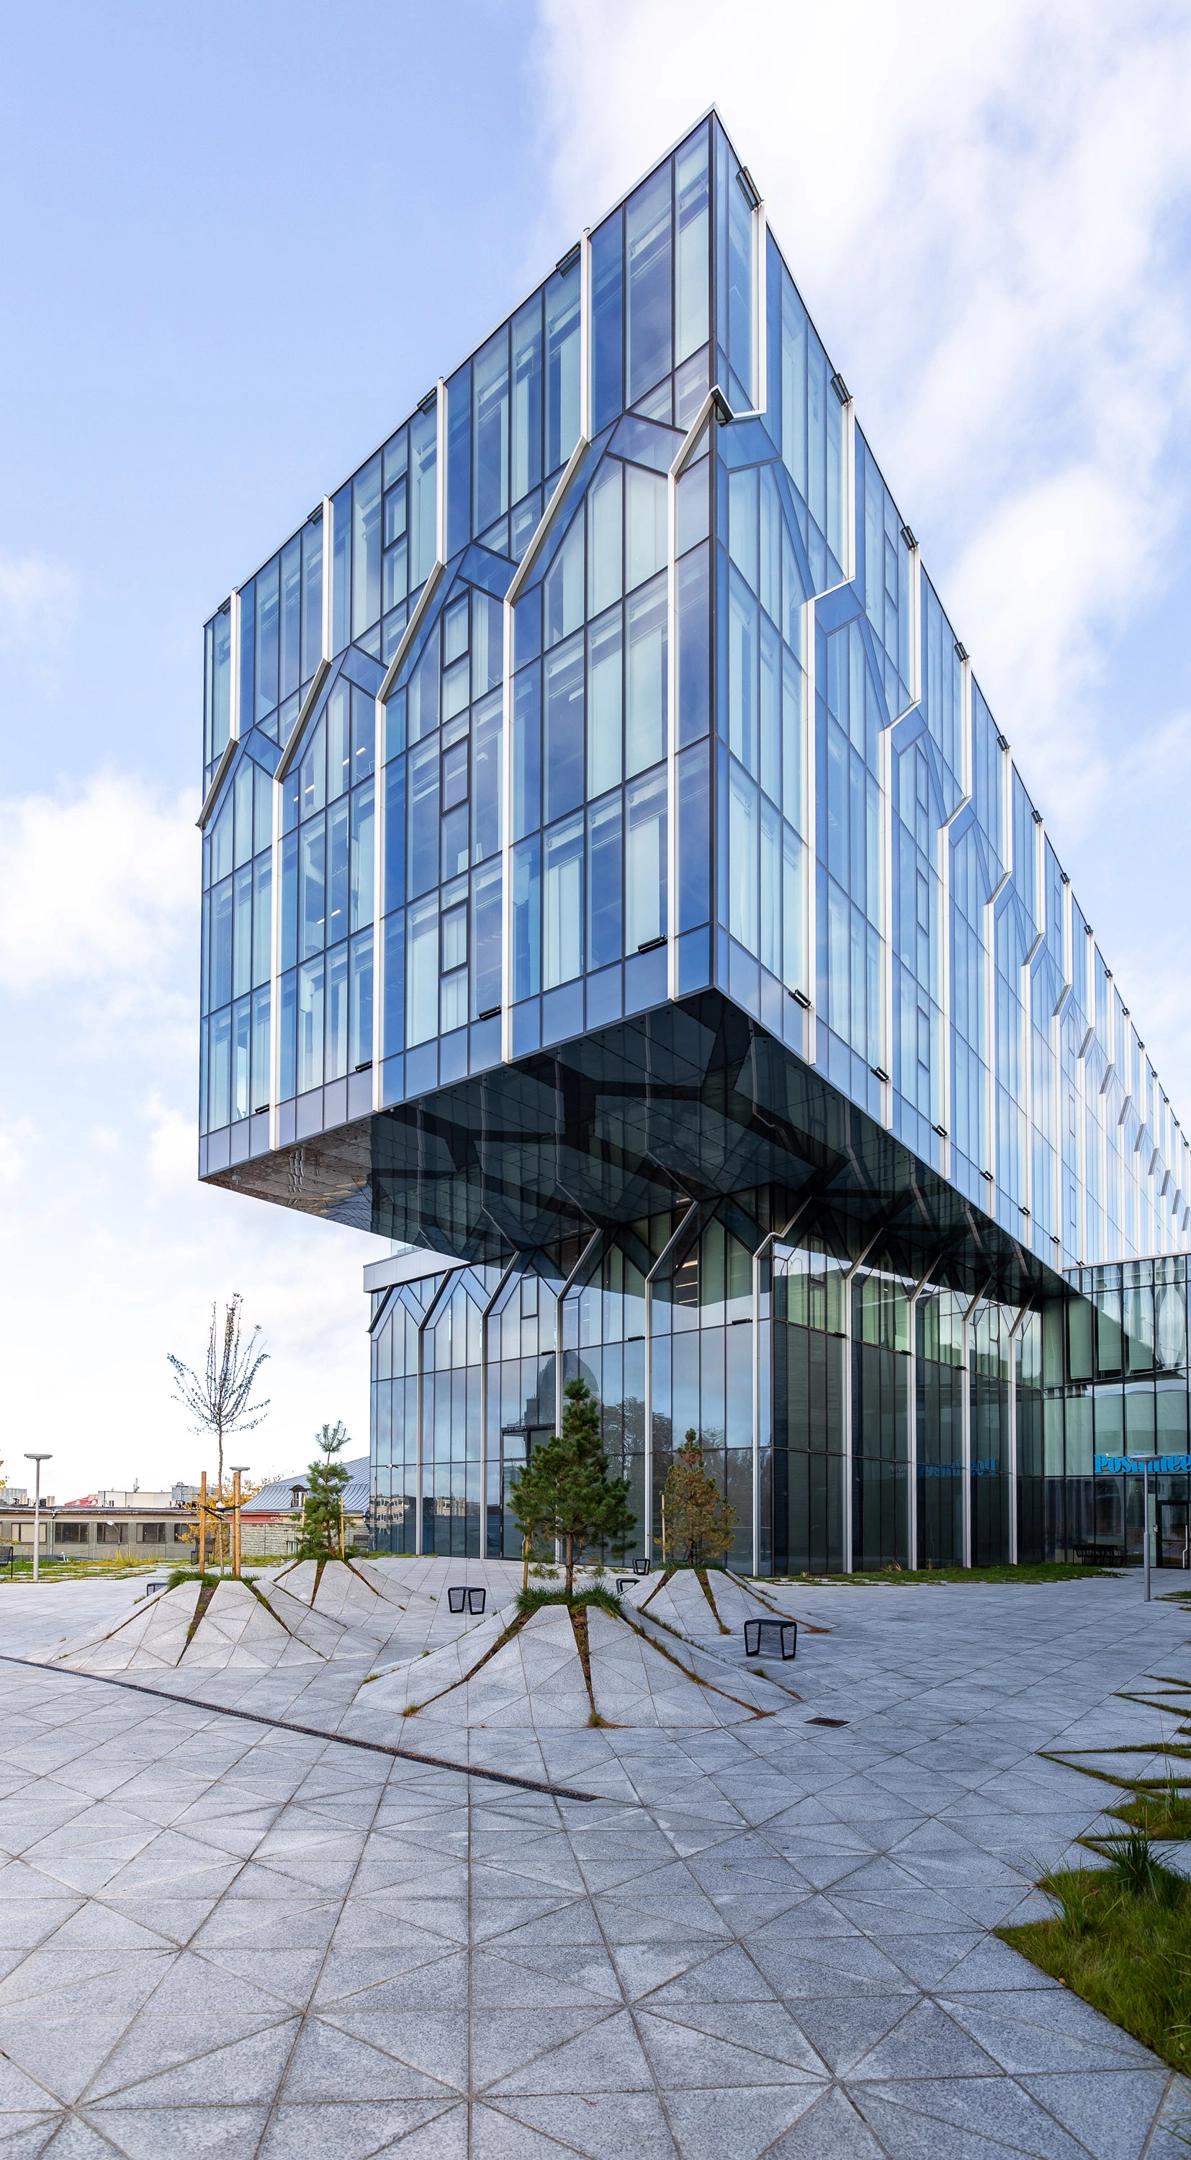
(1037, 1571)
(532, 1600)
(1164, 1813)
(180, 1575)
(1122, 1940)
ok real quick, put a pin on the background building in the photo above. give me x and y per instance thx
(270, 1523)
(616, 886)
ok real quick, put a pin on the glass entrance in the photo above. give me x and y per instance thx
(517, 1443)
(1171, 1543)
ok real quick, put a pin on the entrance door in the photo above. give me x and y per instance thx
(1171, 1541)
(516, 1445)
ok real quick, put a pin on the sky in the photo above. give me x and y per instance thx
(238, 243)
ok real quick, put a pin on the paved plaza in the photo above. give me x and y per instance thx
(222, 1935)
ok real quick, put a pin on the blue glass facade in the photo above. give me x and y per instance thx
(611, 864)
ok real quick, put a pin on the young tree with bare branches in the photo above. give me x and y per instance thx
(220, 1399)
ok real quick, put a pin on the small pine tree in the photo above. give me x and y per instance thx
(699, 1520)
(326, 1482)
(565, 1490)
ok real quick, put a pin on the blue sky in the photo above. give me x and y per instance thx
(240, 242)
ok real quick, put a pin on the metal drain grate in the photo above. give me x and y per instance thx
(827, 1721)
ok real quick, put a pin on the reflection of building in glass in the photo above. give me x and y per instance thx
(616, 885)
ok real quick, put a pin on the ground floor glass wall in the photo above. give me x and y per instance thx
(856, 1410)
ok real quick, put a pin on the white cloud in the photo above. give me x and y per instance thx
(173, 1147)
(100, 884)
(14, 1141)
(112, 1256)
(978, 205)
(37, 601)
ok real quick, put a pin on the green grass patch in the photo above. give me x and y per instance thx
(1122, 1940)
(1034, 1571)
(180, 1575)
(1163, 1812)
(532, 1600)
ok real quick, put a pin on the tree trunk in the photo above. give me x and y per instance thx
(525, 1563)
(570, 1563)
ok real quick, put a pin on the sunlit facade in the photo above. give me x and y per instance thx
(617, 888)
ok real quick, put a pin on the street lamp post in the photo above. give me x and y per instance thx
(37, 1461)
(1145, 1463)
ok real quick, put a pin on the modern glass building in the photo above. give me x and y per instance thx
(617, 891)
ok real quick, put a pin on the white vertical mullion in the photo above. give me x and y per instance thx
(810, 852)
(328, 565)
(380, 746)
(682, 458)
(848, 490)
(506, 837)
(760, 352)
(886, 1052)
(585, 336)
(440, 470)
(276, 801)
(233, 708)
(672, 727)
(945, 971)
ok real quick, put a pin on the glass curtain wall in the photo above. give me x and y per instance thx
(1115, 1374)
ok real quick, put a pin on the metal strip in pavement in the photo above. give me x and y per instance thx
(309, 1732)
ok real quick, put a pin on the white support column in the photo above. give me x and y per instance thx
(485, 1316)
(912, 1419)
(577, 1271)
(1014, 1340)
(765, 1247)
(966, 1428)
(846, 1282)
(427, 1321)
(675, 1239)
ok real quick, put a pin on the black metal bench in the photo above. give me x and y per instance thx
(626, 1582)
(641, 1567)
(461, 1598)
(786, 1632)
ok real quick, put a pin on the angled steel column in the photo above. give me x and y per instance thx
(694, 1209)
(485, 1315)
(966, 1428)
(1014, 1339)
(774, 1237)
(912, 1419)
(589, 1249)
(429, 1316)
(846, 1281)
(559, 1351)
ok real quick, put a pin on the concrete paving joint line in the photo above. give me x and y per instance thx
(311, 1732)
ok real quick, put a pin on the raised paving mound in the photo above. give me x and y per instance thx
(235, 1625)
(539, 1673)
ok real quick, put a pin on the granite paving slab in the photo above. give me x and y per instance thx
(223, 1935)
